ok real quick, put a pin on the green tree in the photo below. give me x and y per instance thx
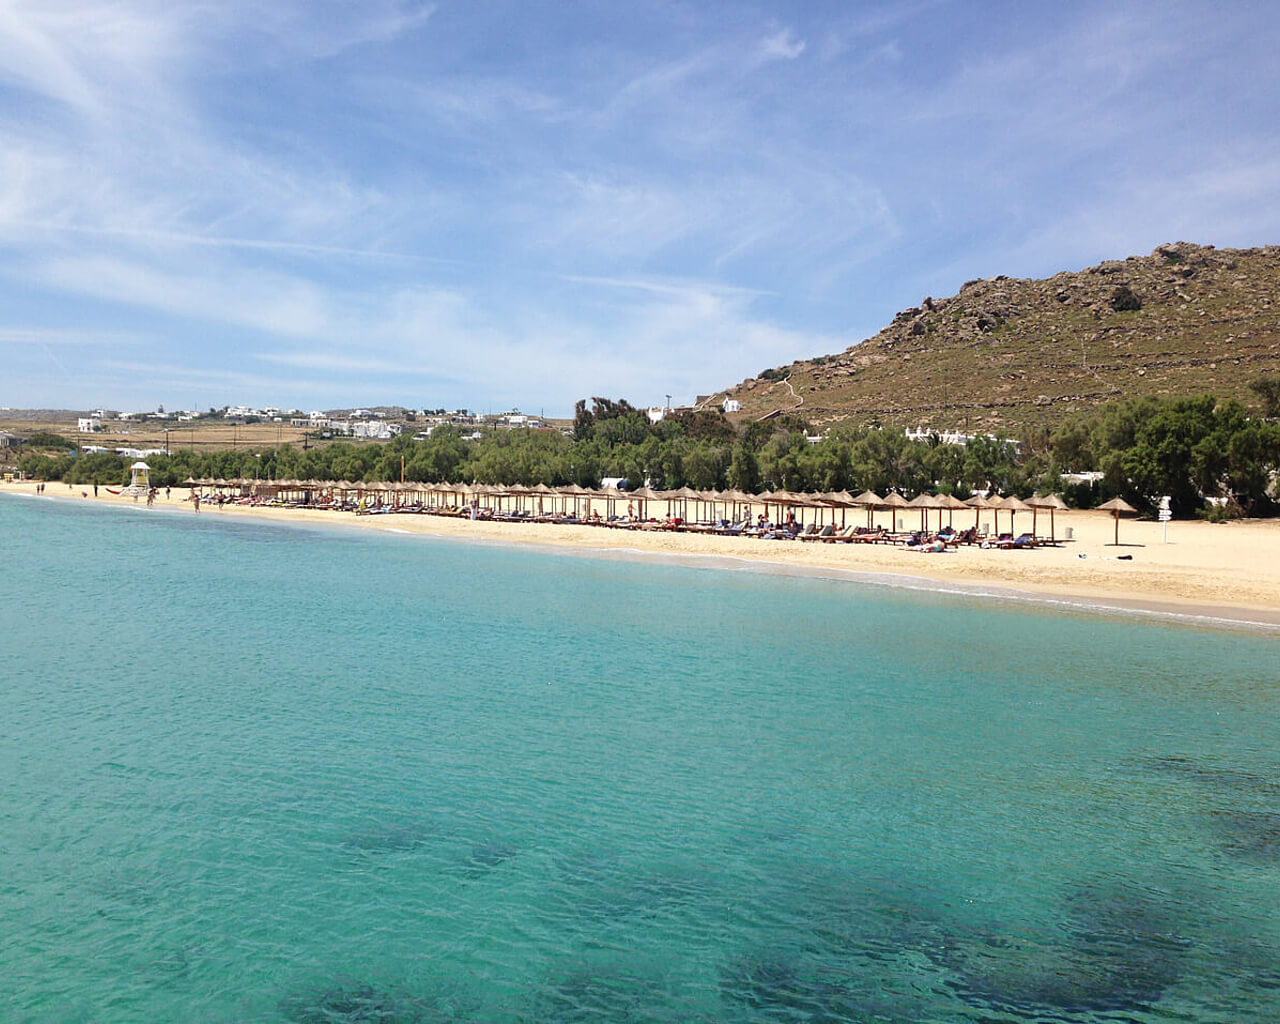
(744, 469)
(1268, 391)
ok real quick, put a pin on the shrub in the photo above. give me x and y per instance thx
(1222, 513)
(1124, 299)
(1268, 391)
(46, 439)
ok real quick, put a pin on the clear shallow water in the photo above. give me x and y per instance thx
(254, 773)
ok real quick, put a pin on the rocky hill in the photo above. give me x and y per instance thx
(1006, 354)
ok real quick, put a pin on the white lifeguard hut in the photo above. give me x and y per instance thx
(139, 482)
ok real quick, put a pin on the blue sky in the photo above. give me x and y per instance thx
(317, 203)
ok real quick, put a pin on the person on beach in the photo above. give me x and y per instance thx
(195, 498)
(95, 488)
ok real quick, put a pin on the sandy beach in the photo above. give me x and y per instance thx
(1227, 571)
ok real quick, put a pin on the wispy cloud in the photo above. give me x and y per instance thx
(69, 336)
(401, 197)
(782, 46)
(661, 287)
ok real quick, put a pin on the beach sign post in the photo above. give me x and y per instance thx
(1166, 513)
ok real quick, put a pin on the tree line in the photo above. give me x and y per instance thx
(1187, 448)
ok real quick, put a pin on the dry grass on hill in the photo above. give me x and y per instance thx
(1009, 354)
(201, 435)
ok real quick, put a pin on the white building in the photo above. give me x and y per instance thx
(732, 405)
(1090, 477)
(376, 429)
(88, 424)
(954, 437)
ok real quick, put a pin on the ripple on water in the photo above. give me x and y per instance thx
(1214, 777)
(392, 836)
(777, 987)
(1249, 835)
(346, 1001)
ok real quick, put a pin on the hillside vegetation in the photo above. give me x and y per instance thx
(1008, 355)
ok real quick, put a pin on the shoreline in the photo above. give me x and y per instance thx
(1217, 575)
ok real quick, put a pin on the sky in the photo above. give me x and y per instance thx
(492, 204)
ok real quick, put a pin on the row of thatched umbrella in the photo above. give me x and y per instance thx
(781, 499)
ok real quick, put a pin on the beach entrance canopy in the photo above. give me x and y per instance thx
(1115, 506)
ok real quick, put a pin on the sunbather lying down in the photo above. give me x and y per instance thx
(929, 547)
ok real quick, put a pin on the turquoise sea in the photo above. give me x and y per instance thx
(262, 773)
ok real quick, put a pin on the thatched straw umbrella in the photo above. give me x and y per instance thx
(737, 499)
(684, 495)
(577, 492)
(872, 501)
(925, 501)
(610, 496)
(1115, 506)
(1051, 502)
(644, 495)
(951, 503)
(815, 501)
(1015, 504)
(540, 493)
(778, 499)
(841, 500)
(979, 502)
(894, 501)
